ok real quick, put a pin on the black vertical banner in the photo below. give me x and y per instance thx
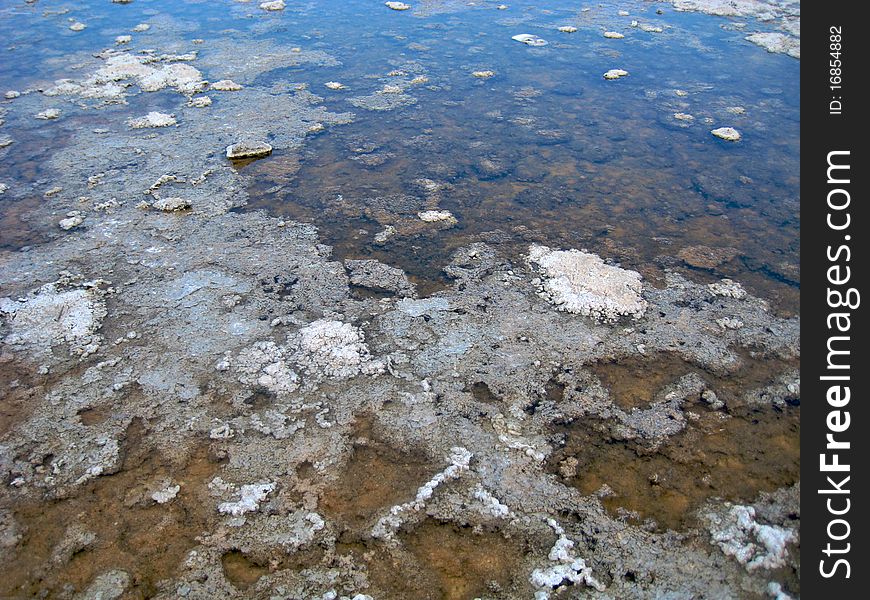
(835, 421)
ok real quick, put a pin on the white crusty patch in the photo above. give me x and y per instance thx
(264, 365)
(333, 349)
(567, 570)
(67, 311)
(751, 543)
(251, 495)
(581, 283)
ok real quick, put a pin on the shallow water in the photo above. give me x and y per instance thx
(544, 150)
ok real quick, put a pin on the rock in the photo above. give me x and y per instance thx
(735, 110)
(71, 222)
(12, 94)
(334, 85)
(376, 275)
(199, 102)
(241, 150)
(123, 39)
(141, 27)
(683, 117)
(77, 26)
(171, 204)
(274, 5)
(483, 74)
(437, 216)
(579, 282)
(48, 114)
(613, 35)
(529, 39)
(225, 85)
(727, 133)
(567, 29)
(650, 28)
(727, 288)
(615, 74)
(151, 120)
(397, 5)
(705, 257)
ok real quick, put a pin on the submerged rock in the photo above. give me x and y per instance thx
(567, 29)
(152, 119)
(77, 26)
(581, 283)
(727, 133)
(437, 216)
(334, 85)
(49, 114)
(706, 257)
(483, 74)
(530, 40)
(242, 150)
(613, 35)
(650, 28)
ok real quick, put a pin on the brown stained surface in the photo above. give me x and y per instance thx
(241, 570)
(443, 561)
(465, 564)
(634, 381)
(376, 477)
(733, 455)
(18, 394)
(132, 533)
